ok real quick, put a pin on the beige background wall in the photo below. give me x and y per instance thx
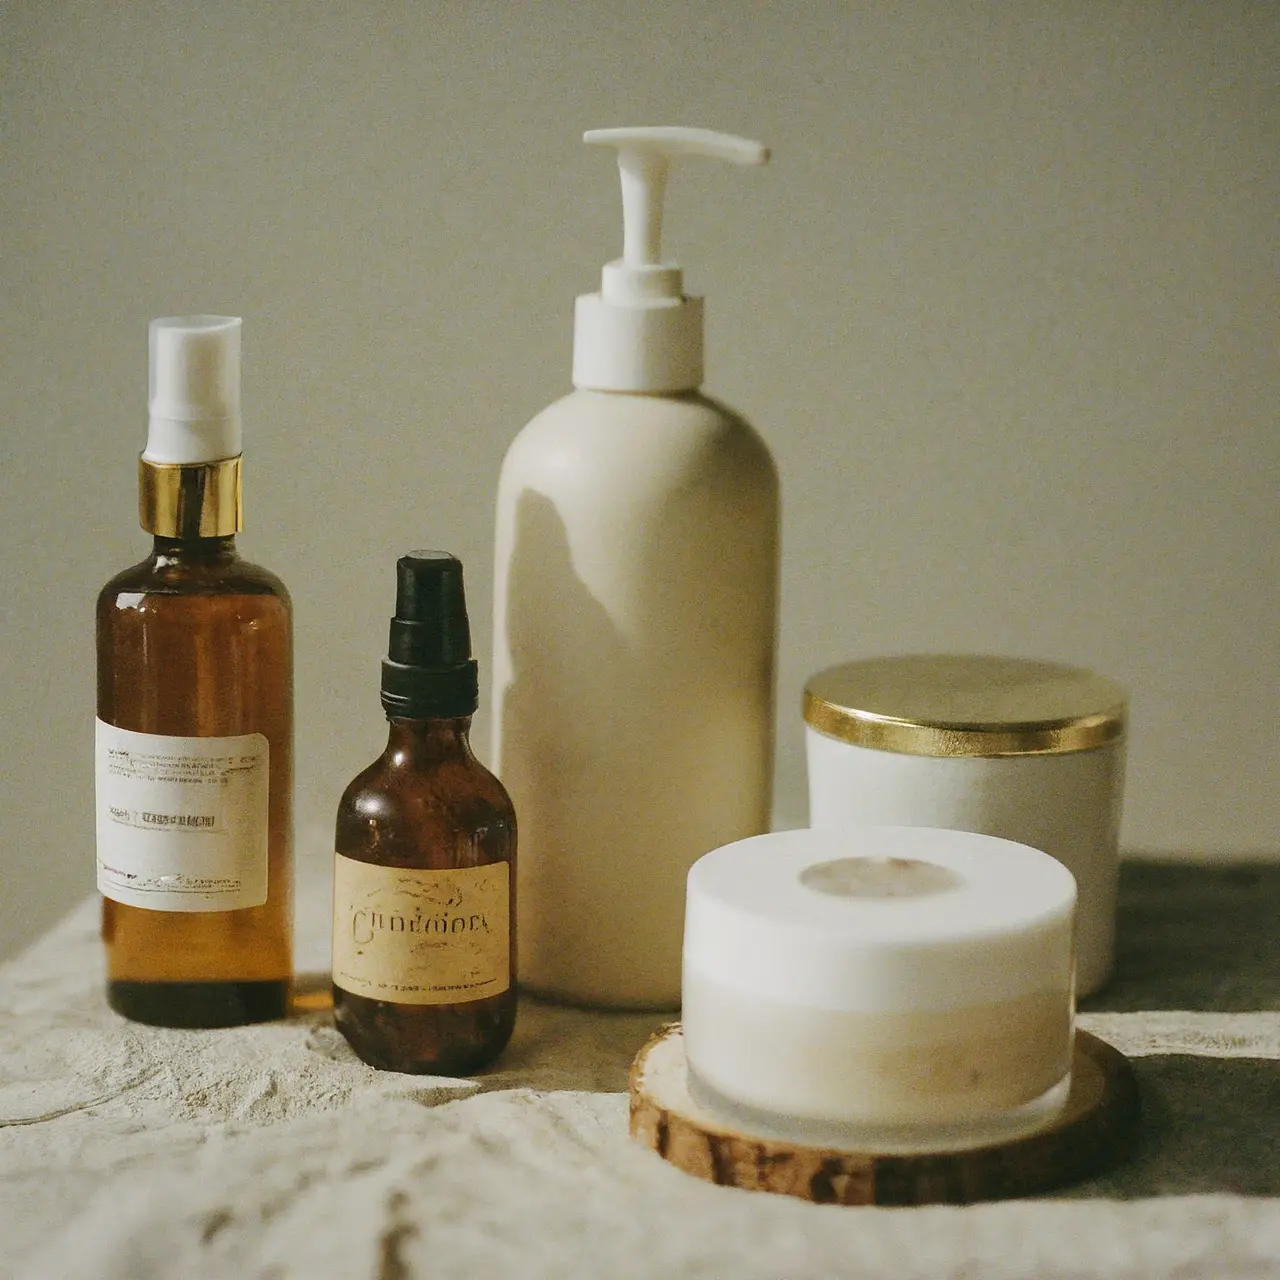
(1005, 308)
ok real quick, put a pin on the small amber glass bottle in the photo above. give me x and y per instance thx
(424, 873)
(195, 720)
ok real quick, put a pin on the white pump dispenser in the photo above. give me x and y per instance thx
(635, 591)
(640, 332)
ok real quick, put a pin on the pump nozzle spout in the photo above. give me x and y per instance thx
(644, 156)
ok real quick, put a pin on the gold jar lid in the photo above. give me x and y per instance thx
(966, 705)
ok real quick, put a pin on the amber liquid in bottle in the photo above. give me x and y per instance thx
(195, 642)
(428, 804)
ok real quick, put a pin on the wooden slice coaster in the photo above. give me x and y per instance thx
(1093, 1132)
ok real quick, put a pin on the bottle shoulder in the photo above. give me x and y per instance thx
(252, 573)
(583, 410)
(173, 576)
(449, 813)
(636, 441)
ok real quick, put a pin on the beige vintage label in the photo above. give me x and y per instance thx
(421, 937)
(182, 822)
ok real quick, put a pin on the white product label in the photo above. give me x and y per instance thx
(182, 822)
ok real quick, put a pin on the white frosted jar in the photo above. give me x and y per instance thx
(885, 988)
(1028, 751)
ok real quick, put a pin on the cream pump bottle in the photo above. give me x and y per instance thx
(636, 585)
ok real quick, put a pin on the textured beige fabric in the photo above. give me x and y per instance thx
(130, 1152)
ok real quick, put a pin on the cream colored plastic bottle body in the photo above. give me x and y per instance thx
(636, 604)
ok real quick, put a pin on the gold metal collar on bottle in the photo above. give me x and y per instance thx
(966, 705)
(190, 500)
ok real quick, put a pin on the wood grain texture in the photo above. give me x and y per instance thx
(1094, 1131)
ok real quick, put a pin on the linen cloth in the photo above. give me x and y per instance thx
(130, 1152)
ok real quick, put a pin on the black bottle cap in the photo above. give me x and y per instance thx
(429, 673)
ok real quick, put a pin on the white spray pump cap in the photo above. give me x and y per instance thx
(640, 332)
(195, 389)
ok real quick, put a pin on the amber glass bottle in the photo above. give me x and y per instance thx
(195, 726)
(424, 873)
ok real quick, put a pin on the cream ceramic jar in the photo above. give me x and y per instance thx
(1028, 751)
(880, 988)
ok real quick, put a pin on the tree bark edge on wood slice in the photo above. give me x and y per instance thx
(1095, 1131)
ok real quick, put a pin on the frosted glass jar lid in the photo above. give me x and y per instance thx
(966, 705)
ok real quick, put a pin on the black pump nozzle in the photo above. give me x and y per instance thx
(428, 672)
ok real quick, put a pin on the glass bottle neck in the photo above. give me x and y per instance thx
(414, 742)
(186, 550)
